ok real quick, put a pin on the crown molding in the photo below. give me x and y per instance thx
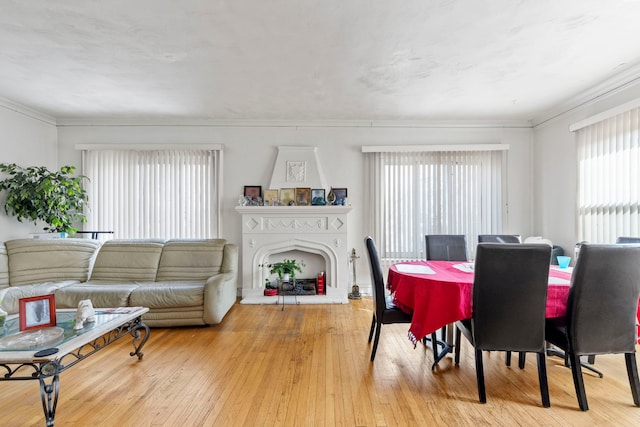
(26, 111)
(77, 122)
(609, 87)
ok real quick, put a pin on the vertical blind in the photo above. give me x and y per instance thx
(412, 194)
(609, 178)
(152, 193)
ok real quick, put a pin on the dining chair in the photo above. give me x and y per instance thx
(384, 311)
(446, 247)
(601, 312)
(623, 239)
(504, 238)
(509, 303)
(499, 238)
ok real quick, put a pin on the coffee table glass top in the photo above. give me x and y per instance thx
(11, 339)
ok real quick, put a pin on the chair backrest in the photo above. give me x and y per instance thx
(603, 299)
(446, 247)
(499, 238)
(623, 239)
(377, 281)
(509, 296)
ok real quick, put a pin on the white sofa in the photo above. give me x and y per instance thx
(183, 282)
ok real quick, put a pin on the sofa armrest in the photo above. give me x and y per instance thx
(220, 291)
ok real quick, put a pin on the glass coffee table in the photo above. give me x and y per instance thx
(42, 354)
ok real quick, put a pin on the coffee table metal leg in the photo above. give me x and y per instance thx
(49, 391)
(134, 330)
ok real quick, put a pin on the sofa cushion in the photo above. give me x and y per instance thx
(4, 266)
(190, 260)
(127, 261)
(168, 294)
(10, 296)
(101, 294)
(36, 261)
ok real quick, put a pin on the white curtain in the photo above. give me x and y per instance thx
(152, 193)
(433, 192)
(609, 178)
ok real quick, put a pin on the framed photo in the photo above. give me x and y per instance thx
(317, 197)
(253, 191)
(341, 196)
(271, 197)
(37, 312)
(287, 196)
(303, 196)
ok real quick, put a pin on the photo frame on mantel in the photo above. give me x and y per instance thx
(287, 196)
(340, 196)
(303, 196)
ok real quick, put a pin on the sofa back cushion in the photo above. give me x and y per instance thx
(36, 261)
(127, 260)
(4, 266)
(190, 260)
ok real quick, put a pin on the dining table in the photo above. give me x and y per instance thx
(439, 293)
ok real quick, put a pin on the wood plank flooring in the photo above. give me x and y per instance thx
(309, 366)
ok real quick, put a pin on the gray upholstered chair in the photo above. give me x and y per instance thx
(499, 238)
(601, 311)
(509, 303)
(384, 311)
(446, 247)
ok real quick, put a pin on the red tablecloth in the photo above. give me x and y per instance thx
(442, 298)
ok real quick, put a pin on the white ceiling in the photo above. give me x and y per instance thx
(312, 59)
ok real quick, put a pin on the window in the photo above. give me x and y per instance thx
(413, 193)
(164, 193)
(609, 178)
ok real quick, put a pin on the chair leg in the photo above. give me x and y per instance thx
(457, 345)
(576, 371)
(542, 378)
(373, 326)
(507, 359)
(632, 371)
(522, 358)
(375, 341)
(482, 394)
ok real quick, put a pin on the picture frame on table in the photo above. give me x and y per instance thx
(318, 197)
(340, 195)
(253, 191)
(37, 312)
(271, 197)
(287, 196)
(303, 196)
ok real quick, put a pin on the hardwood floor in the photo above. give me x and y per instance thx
(309, 366)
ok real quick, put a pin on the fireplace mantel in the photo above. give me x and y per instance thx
(318, 230)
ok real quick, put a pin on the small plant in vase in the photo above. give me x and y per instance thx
(286, 269)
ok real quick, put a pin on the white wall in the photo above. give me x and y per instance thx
(250, 153)
(556, 169)
(26, 141)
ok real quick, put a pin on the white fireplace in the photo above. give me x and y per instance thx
(316, 232)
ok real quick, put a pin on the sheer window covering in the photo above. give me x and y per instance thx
(609, 178)
(165, 193)
(413, 193)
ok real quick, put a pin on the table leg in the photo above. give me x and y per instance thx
(138, 343)
(49, 391)
(446, 338)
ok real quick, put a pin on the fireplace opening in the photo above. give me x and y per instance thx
(314, 264)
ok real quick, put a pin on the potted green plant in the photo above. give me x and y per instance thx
(286, 269)
(36, 193)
